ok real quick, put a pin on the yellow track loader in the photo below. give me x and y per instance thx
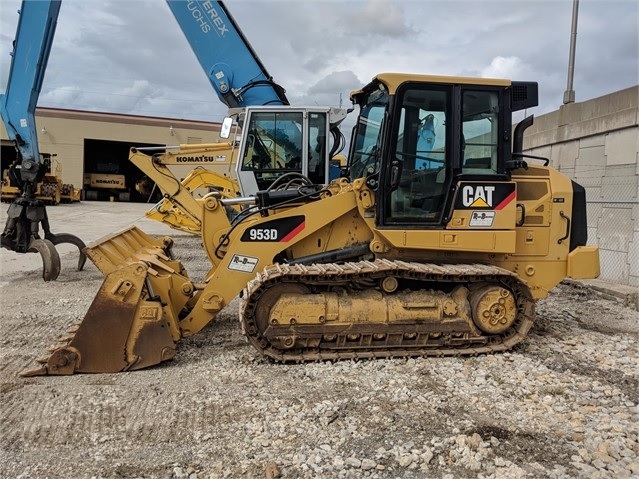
(439, 242)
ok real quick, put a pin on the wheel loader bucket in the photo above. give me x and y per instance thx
(133, 320)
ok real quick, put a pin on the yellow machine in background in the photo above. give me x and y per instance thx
(210, 171)
(272, 157)
(112, 183)
(50, 189)
(438, 243)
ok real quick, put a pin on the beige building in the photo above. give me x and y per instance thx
(89, 142)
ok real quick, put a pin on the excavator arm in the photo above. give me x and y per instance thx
(31, 48)
(230, 63)
(179, 208)
(26, 214)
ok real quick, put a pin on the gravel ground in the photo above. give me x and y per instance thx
(564, 404)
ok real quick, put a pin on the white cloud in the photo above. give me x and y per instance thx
(336, 82)
(383, 18)
(500, 67)
(131, 56)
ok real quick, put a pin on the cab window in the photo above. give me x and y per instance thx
(367, 136)
(422, 142)
(480, 130)
(274, 141)
(317, 147)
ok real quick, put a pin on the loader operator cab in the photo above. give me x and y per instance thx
(418, 136)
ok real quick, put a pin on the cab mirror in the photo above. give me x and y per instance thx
(225, 130)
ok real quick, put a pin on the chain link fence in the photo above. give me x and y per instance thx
(613, 226)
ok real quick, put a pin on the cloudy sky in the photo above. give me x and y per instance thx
(131, 57)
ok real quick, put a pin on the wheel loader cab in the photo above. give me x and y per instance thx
(417, 138)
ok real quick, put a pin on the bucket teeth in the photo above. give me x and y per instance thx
(34, 372)
(65, 339)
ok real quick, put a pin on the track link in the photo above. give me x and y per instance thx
(316, 341)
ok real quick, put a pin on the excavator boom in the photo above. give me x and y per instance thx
(31, 48)
(232, 67)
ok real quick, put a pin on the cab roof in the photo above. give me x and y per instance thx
(393, 80)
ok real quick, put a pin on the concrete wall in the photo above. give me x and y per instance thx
(65, 131)
(596, 143)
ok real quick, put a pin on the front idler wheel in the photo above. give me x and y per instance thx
(494, 308)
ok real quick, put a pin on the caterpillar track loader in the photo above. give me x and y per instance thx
(438, 243)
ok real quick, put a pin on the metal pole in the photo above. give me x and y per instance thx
(569, 94)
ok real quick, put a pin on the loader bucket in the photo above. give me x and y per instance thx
(133, 320)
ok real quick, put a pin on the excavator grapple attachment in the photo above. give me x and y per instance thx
(21, 234)
(50, 257)
(133, 320)
(60, 238)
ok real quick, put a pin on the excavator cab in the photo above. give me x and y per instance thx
(288, 142)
